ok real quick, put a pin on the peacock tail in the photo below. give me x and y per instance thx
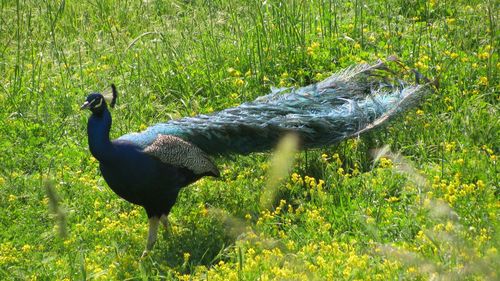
(346, 104)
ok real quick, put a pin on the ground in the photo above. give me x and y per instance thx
(426, 209)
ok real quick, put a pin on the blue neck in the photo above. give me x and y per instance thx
(98, 128)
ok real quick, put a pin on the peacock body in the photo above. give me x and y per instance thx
(150, 168)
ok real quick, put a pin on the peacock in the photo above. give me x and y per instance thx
(151, 167)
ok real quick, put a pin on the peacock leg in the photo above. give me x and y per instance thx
(152, 234)
(164, 221)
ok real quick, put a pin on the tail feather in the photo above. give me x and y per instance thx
(344, 105)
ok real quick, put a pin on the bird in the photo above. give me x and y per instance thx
(149, 168)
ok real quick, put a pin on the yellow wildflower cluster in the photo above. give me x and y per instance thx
(452, 55)
(449, 146)
(236, 74)
(385, 162)
(312, 183)
(337, 159)
(312, 261)
(8, 253)
(296, 178)
(483, 81)
(284, 79)
(12, 198)
(423, 63)
(324, 157)
(450, 21)
(485, 54)
(311, 50)
(392, 199)
(316, 186)
(490, 152)
(453, 189)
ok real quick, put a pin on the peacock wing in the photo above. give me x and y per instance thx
(178, 152)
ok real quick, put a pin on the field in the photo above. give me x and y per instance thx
(427, 209)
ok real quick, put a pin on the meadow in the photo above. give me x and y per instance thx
(415, 200)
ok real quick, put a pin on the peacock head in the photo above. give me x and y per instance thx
(97, 102)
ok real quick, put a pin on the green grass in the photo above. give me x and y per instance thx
(431, 213)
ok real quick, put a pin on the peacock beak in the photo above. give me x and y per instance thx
(85, 105)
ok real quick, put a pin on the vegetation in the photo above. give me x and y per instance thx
(428, 208)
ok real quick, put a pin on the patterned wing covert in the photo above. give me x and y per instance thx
(178, 152)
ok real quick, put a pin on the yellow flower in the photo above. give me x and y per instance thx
(355, 171)
(392, 199)
(420, 65)
(2, 181)
(449, 146)
(318, 76)
(204, 211)
(186, 257)
(311, 49)
(12, 198)
(347, 271)
(234, 96)
(411, 270)
(340, 171)
(26, 248)
(483, 55)
(450, 20)
(239, 82)
(483, 80)
(420, 112)
(233, 72)
(385, 162)
(324, 157)
(337, 159)
(251, 251)
(296, 177)
(321, 183)
(480, 184)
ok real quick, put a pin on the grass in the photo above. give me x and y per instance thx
(427, 209)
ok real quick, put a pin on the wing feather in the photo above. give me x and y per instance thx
(178, 152)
